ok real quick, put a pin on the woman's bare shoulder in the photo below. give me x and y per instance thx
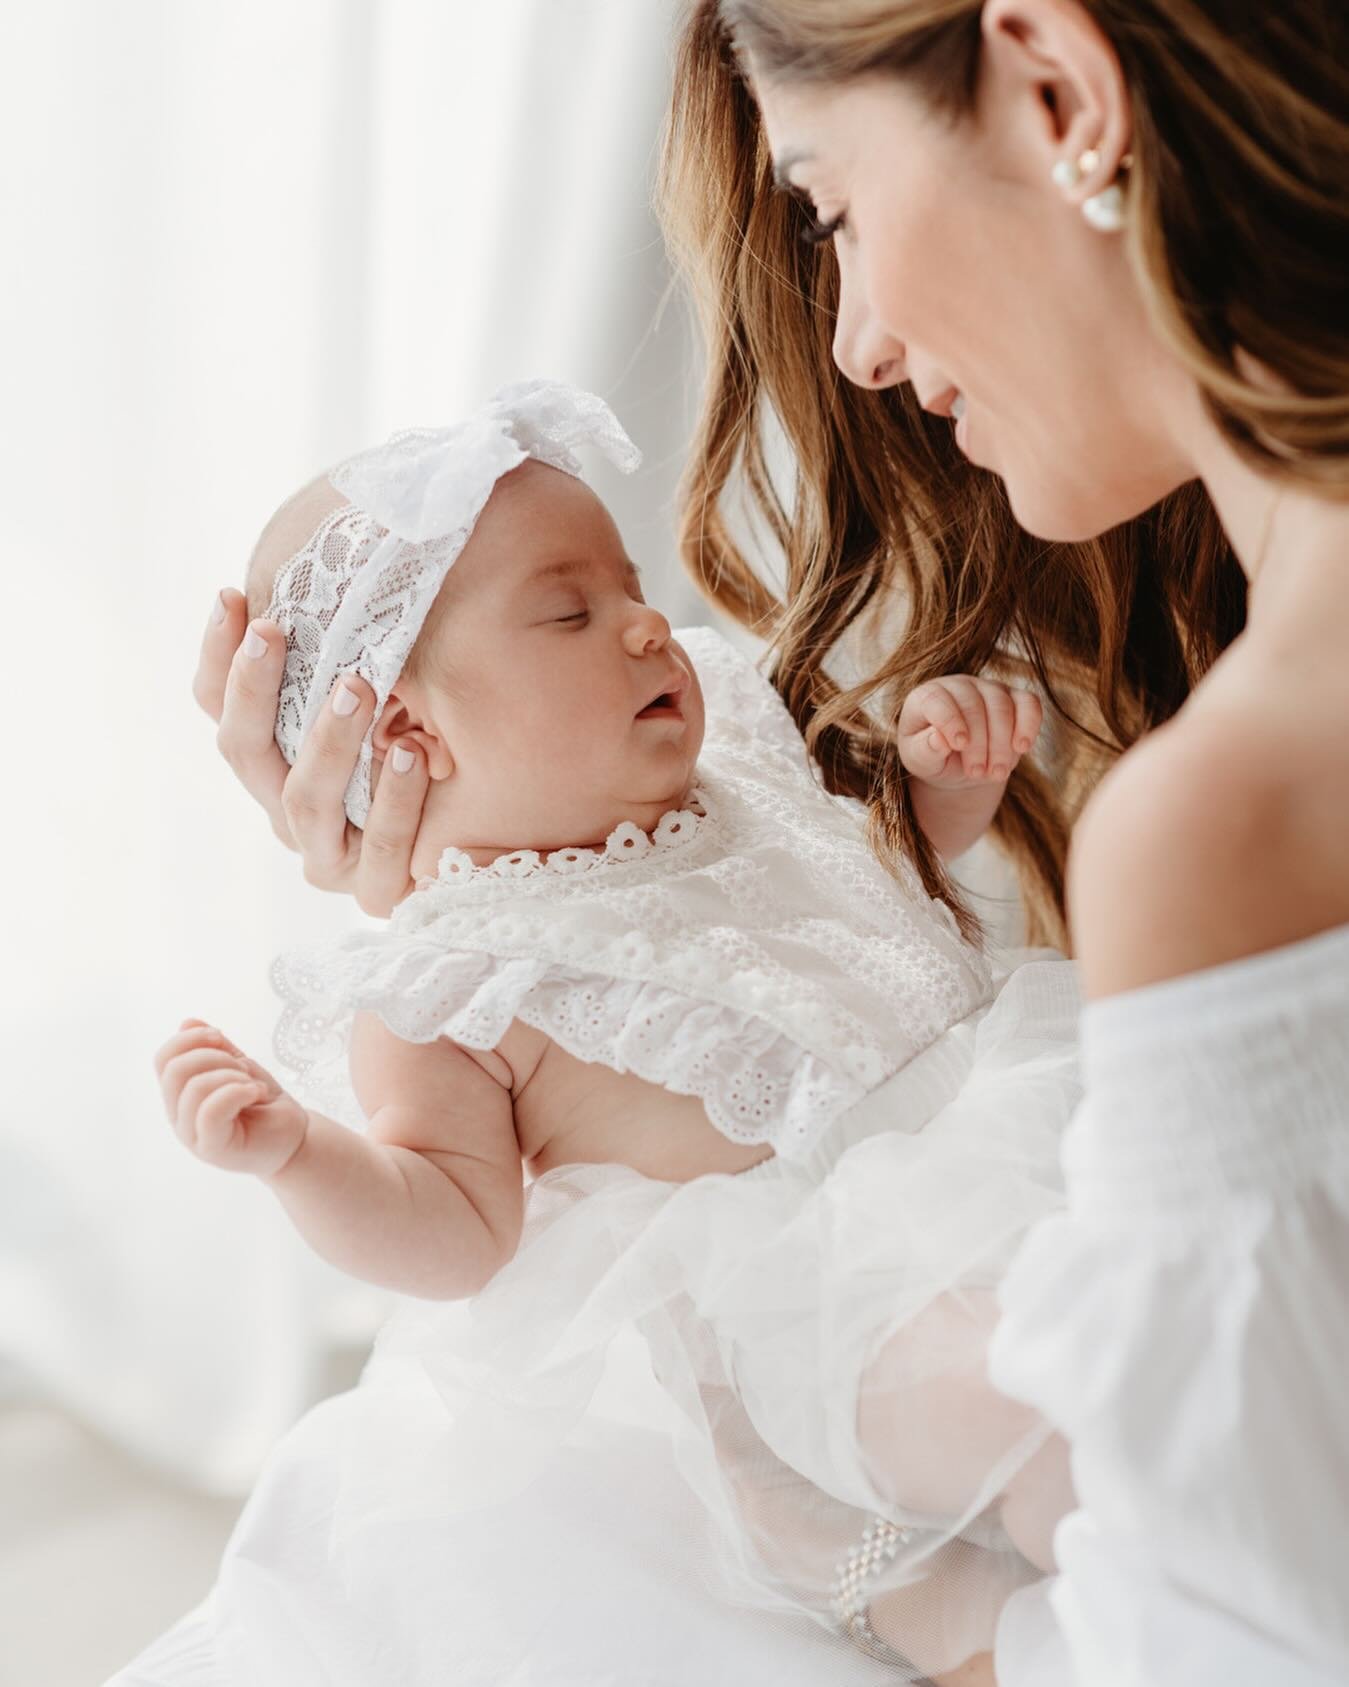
(1219, 836)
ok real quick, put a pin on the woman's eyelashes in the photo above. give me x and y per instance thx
(816, 233)
(817, 229)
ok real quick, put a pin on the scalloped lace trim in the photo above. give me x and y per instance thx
(628, 842)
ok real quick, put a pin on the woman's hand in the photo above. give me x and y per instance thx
(225, 1107)
(960, 731)
(959, 739)
(237, 683)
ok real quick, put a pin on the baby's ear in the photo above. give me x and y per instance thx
(397, 724)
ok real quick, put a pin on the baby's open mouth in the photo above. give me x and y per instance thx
(663, 707)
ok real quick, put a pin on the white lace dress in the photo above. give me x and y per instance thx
(753, 954)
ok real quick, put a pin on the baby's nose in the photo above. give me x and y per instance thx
(647, 630)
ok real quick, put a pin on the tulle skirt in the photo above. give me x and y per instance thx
(814, 1337)
(594, 1574)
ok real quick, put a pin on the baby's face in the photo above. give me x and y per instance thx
(552, 701)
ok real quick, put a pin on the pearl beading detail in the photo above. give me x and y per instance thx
(849, 1597)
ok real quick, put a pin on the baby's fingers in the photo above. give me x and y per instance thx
(934, 704)
(261, 1076)
(196, 1091)
(1029, 717)
(926, 754)
(217, 1119)
(931, 727)
(973, 735)
(192, 1034)
(1000, 712)
(184, 1069)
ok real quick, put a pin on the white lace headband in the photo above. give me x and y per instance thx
(354, 598)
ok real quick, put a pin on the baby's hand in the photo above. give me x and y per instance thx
(224, 1106)
(958, 732)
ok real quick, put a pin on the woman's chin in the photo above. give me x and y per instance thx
(1065, 516)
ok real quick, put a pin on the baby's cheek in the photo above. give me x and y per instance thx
(563, 739)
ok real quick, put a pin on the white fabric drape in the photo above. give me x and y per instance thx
(241, 241)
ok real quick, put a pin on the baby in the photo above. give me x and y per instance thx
(645, 947)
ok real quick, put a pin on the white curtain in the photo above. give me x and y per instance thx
(239, 241)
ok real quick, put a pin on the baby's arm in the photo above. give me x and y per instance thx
(959, 739)
(429, 1202)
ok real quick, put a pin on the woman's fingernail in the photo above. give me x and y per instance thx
(254, 646)
(345, 701)
(402, 760)
(218, 610)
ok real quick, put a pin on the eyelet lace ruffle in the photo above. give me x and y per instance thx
(755, 954)
(755, 1083)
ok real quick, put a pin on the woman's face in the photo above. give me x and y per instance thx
(965, 270)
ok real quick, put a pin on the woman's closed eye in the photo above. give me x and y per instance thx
(816, 232)
(818, 229)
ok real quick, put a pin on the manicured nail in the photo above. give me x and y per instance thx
(345, 701)
(254, 646)
(218, 610)
(402, 760)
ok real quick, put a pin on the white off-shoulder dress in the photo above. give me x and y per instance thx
(1185, 1323)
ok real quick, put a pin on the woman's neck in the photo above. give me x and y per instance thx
(1277, 527)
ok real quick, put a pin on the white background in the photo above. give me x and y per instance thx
(239, 242)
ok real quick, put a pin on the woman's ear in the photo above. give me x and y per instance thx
(399, 723)
(1055, 52)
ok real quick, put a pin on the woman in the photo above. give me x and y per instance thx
(1108, 242)
(1099, 237)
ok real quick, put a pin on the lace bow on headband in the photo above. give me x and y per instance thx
(354, 599)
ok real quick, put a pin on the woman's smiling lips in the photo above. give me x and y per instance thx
(949, 402)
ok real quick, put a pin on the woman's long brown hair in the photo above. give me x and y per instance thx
(889, 539)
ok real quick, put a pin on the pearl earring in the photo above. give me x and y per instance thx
(1104, 210)
(1068, 172)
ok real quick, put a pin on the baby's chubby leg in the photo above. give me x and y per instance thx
(933, 1429)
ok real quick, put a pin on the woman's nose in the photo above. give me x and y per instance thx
(868, 356)
(647, 631)
(864, 349)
